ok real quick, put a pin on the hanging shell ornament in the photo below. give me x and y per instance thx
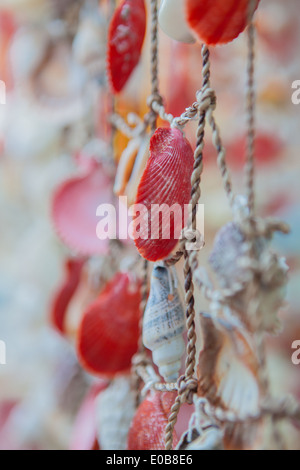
(74, 209)
(227, 374)
(147, 430)
(172, 21)
(115, 410)
(131, 166)
(218, 21)
(163, 324)
(62, 298)
(125, 40)
(164, 190)
(109, 329)
(232, 262)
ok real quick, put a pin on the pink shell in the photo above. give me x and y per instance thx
(74, 209)
(147, 431)
(166, 180)
(125, 40)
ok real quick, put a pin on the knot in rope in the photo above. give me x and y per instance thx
(187, 387)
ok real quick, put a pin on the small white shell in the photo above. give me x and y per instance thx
(172, 21)
(164, 324)
(114, 413)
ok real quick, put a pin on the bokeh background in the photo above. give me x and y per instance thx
(56, 106)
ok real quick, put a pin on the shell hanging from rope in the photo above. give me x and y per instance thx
(147, 430)
(164, 323)
(115, 410)
(163, 195)
(227, 374)
(237, 270)
(125, 40)
(218, 21)
(109, 330)
(172, 21)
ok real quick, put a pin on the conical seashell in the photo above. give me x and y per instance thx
(125, 40)
(163, 324)
(211, 438)
(218, 21)
(147, 430)
(74, 210)
(109, 330)
(230, 261)
(131, 166)
(164, 190)
(116, 407)
(172, 21)
(227, 373)
(63, 296)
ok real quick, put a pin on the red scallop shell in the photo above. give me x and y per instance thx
(166, 180)
(147, 430)
(125, 40)
(74, 209)
(217, 21)
(109, 330)
(61, 299)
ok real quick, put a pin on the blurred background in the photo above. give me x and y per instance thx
(52, 61)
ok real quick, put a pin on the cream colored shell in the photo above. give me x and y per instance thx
(172, 21)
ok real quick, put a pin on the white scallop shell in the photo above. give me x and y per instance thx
(172, 21)
(114, 413)
(163, 324)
